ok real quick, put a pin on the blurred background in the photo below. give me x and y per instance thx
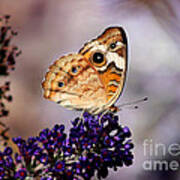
(49, 29)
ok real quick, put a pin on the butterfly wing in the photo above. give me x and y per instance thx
(94, 78)
(73, 83)
(112, 45)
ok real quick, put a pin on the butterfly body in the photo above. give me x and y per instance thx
(92, 79)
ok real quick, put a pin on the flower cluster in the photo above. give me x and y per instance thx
(3, 111)
(8, 53)
(3, 97)
(94, 144)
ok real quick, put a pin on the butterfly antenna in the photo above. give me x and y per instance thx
(133, 102)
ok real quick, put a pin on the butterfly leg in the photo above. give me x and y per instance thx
(100, 118)
(112, 109)
(81, 116)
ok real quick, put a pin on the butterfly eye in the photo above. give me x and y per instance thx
(60, 84)
(98, 58)
(113, 45)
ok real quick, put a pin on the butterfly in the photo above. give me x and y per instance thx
(93, 79)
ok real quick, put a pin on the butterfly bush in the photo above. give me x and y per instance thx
(8, 53)
(93, 145)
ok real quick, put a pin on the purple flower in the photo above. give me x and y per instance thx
(2, 173)
(91, 148)
(59, 166)
(43, 158)
(8, 151)
(9, 162)
(1, 158)
(46, 178)
(18, 158)
(21, 174)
